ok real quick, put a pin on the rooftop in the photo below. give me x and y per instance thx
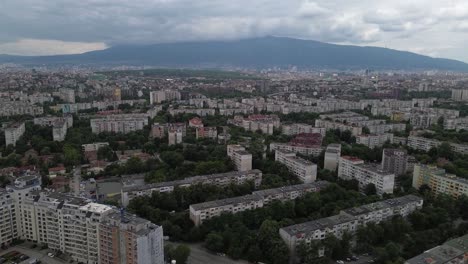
(229, 201)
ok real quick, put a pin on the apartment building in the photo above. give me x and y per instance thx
(304, 150)
(332, 157)
(118, 124)
(240, 157)
(265, 123)
(460, 94)
(329, 125)
(196, 111)
(8, 225)
(131, 190)
(297, 128)
(353, 168)
(174, 136)
(76, 226)
(305, 170)
(125, 238)
(67, 95)
(374, 140)
(59, 130)
(157, 131)
(13, 108)
(157, 97)
(13, 133)
(51, 120)
(395, 161)
(439, 181)
(205, 211)
(93, 146)
(454, 251)
(426, 144)
(456, 123)
(348, 221)
(206, 132)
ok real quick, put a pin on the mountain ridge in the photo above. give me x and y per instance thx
(262, 52)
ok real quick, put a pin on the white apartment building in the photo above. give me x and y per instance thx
(59, 130)
(204, 211)
(157, 97)
(174, 136)
(196, 111)
(426, 144)
(78, 227)
(304, 150)
(118, 124)
(130, 190)
(305, 170)
(13, 133)
(329, 125)
(354, 168)
(332, 157)
(12, 108)
(348, 221)
(460, 94)
(8, 225)
(241, 158)
(295, 129)
(374, 140)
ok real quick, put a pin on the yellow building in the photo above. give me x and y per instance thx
(439, 181)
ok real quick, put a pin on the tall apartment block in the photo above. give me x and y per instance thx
(13, 133)
(332, 157)
(460, 94)
(439, 181)
(305, 170)
(241, 158)
(395, 161)
(174, 136)
(157, 97)
(354, 168)
(88, 232)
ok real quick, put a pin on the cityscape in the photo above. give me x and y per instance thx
(267, 147)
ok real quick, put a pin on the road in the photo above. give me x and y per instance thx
(34, 254)
(199, 255)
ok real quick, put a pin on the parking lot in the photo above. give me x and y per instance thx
(13, 255)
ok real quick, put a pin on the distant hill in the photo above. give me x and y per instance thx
(253, 53)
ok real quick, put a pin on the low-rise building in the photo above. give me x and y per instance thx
(157, 131)
(454, 251)
(130, 190)
(348, 221)
(354, 168)
(157, 97)
(305, 170)
(304, 150)
(240, 157)
(205, 211)
(297, 128)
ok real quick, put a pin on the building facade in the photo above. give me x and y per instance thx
(240, 157)
(439, 181)
(13, 133)
(332, 157)
(305, 170)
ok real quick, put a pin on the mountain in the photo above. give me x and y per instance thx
(253, 53)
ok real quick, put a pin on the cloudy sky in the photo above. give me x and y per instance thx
(39, 27)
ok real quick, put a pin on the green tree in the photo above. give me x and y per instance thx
(214, 242)
(180, 254)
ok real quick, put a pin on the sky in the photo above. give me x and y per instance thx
(437, 28)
